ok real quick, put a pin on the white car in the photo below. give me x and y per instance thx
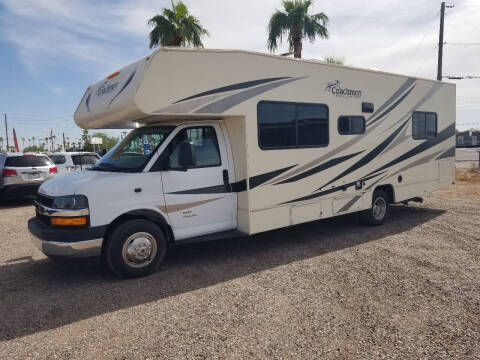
(22, 174)
(74, 161)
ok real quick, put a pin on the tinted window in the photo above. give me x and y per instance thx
(204, 145)
(348, 125)
(290, 125)
(58, 159)
(431, 125)
(277, 125)
(84, 159)
(28, 161)
(312, 125)
(424, 125)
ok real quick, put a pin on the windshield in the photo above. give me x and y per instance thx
(134, 152)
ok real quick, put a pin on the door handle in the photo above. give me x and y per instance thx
(226, 181)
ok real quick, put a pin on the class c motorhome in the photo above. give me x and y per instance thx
(231, 142)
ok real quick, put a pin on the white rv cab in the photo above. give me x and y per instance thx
(227, 143)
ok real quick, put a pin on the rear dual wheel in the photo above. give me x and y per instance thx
(135, 248)
(377, 214)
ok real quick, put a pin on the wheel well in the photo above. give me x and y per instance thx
(149, 215)
(389, 191)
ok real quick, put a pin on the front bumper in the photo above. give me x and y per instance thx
(70, 243)
(15, 191)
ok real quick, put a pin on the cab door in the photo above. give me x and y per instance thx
(196, 182)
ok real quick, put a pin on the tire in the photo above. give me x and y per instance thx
(379, 211)
(58, 259)
(3, 198)
(135, 248)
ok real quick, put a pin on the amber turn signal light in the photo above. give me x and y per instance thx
(69, 221)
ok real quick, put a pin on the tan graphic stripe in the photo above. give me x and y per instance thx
(421, 161)
(349, 204)
(180, 207)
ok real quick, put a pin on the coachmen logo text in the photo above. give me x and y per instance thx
(336, 89)
(106, 88)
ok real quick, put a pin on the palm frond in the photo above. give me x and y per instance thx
(278, 25)
(163, 32)
(176, 27)
(295, 22)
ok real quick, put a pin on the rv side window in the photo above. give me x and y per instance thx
(349, 125)
(283, 125)
(204, 145)
(424, 125)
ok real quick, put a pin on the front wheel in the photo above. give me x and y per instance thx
(377, 214)
(135, 248)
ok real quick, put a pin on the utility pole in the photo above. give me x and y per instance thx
(6, 132)
(440, 42)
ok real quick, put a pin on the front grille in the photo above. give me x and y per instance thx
(43, 218)
(45, 200)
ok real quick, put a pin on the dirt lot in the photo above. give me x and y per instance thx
(331, 289)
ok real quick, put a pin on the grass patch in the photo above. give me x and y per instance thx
(470, 176)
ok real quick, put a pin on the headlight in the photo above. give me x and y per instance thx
(73, 202)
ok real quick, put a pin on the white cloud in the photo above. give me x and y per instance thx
(58, 90)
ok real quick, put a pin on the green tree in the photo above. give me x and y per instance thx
(85, 141)
(107, 141)
(176, 27)
(34, 148)
(295, 23)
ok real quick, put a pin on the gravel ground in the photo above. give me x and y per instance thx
(331, 289)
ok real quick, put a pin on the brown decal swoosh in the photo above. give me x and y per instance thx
(180, 207)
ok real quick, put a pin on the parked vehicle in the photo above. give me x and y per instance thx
(74, 161)
(237, 143)
(22, 174)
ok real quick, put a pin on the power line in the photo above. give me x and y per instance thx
(462, 44)
(428, 28)
(457, 77)
(428, 58)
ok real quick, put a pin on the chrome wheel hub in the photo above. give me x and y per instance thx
(379, 208)
(139, 250)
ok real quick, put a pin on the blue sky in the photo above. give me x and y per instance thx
(51, 50)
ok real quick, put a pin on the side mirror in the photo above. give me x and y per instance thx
(186, 155)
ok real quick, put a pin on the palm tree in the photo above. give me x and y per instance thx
(1, 143)
(295, 23)
(176, 27)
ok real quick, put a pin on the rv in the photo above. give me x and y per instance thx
(227, 143)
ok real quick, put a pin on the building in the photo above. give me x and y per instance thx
(470, 138)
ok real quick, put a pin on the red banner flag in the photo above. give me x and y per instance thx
(15, 140)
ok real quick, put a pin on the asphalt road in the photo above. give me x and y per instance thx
(330, 289)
